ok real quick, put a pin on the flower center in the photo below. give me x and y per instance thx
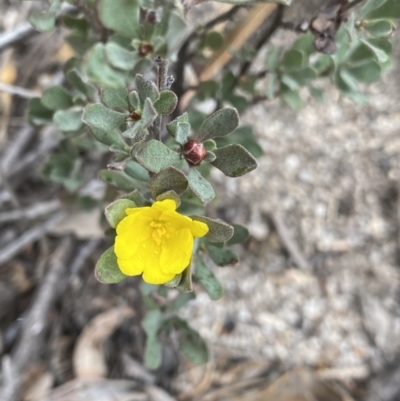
(159, 230)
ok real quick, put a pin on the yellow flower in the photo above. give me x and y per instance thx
(156, 241)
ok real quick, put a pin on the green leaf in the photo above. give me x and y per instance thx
(207, 278)
(368, 72)
(244, 136)
(155, 156)
(221, 123)
(240, 234)
(174, 282)
(214, 40)
(135, 170)
(100, 117)
(291, 98)
(122, 16)
(192, 345)
(149, 114)
(222, 257)
(74, 78)
(153, 351)
(121, 58)
(115, 211)
(172, 127)
(57, 98)
(136, 197)
(134, 100)
(200, 186)
(168, 179)
(218, 230)
(181, 300)
(137, 132)
(303, 76)
(247, 2)
(182, 133)
(98, 69)
(186, 285)
(378, 48)
(209, 144)
(68, 120)
(370, 6)
(176, 32)
(166, 103)
(146, 89)
(380, 28)
(115, 97)
(120, 179)
(170, 195)
(210, 157)
(388, 9)
(292, 60)
(272, 59)
(107, 270)
(45, 21)
(38, 114)
(234, 160)
(110, 138)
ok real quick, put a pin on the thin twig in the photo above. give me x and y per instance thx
(31, 212)
(288, 242)
(162, 83)
(29, 236)
(16, 90)
(26, 30)
(37, 320)
(263, 40)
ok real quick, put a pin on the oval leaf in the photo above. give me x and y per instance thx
(218, 231)
(107, 270)
(168, 179)
(115, 97)
(222, 257)
(200, 186)
(155, 156)
(57, 98)
(115, 211)
(234, 160)
(207, 278)
(221, 123)
(166, 103)
(98, 116)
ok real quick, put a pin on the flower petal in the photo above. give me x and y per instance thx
(130, 267)
(134, 210)
(176, 252)
(198, 228)
(166, 204)
(156, 276)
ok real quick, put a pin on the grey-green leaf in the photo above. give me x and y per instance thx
(221, 123)
(115, 97)
(99, 70)
(172, 127)
(155, 156)
(222, 257)
(100, 117)
(182, 133)
(122, 16)
(107, 270)
(115, 211)
(120, 179)
(186, 285)
(138, 198)
(68, 120)
(170, 195)
(166, 103)
(193, 346)
(137, 171)
(110, 138)
(121, 58)
(168, 179)
(146, 89)
(200, 186)
(207, 278)
(240, 234)
(218, 230)
(137, 132)
(134, 100)
(38, 114)
(149, 113)
(57, 98)
(151, 325)
(234, 160)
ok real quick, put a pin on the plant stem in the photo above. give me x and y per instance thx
(163, 83)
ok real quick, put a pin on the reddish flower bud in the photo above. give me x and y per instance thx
(194, 152)
(135, 116)
(145, 48)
